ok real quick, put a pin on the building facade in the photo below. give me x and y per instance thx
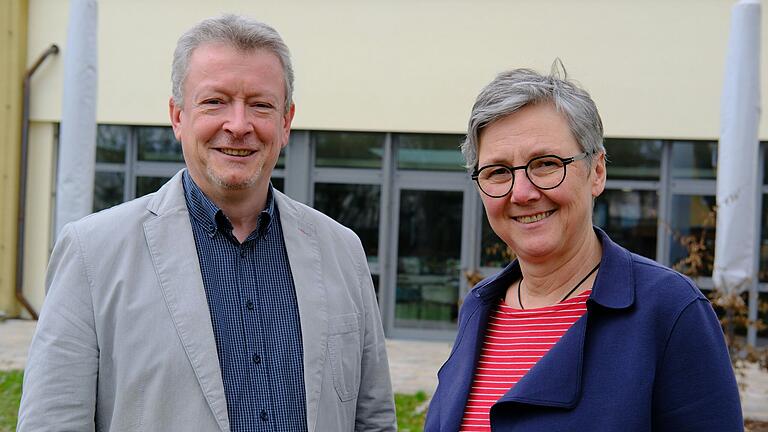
(383, 91)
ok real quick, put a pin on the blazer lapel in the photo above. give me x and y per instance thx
(172, 246)
(303, 248)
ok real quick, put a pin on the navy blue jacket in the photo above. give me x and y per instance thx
(649, 355)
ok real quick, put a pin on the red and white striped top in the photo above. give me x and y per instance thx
(515, 340)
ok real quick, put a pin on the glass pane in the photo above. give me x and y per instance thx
(694, 160)
(111, 142)
(158, 144)
(146, 185)
(355, 206)
(762, 315)
(278, 183)
(107, 190)
(429, 152)
(633, 159)
(630, 218)
(494, 252)
(281, 159)
(763, 274)
(348, 149)
(692, 232)
(428, 259)
(375, 278)
(765, 162)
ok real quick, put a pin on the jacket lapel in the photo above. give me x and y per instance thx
(303, 248)
(555, 380)
(172, 247)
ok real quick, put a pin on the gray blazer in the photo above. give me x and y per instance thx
(125, 340)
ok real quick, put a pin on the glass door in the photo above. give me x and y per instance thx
(428, 259)
(432, 247)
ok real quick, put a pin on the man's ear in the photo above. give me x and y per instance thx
(175, 113)
(287, 120)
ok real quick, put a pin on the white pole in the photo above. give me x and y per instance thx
(737, 166)
(77, 138)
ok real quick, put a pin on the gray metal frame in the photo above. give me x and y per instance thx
(300, 175)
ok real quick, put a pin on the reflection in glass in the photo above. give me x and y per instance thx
(147, 185)
(694, 160)
(107, 190)
(429, 152)
(630, 219)
(157, 143)
(355, 206)
(494, 252)
(111, 141)
(428, 259)
(692, 227)
(348, 149)
(633, 159)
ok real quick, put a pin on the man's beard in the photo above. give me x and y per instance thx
(241, 185)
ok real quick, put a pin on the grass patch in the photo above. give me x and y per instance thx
(10, 395)
(411, 411)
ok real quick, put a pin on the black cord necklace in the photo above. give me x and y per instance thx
(520, 282)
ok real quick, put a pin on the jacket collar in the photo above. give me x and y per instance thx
(614, 287)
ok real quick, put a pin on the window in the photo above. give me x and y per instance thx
(348, 149)
(429, 152)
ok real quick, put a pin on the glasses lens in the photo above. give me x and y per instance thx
(495, 180)
(546, 172)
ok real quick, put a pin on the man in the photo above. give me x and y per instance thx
(217, 303)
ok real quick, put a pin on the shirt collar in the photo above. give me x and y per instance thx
(210, 216)
(614, 287)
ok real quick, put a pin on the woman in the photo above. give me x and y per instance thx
(577, 334)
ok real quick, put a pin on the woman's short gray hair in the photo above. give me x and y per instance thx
(512, 90)
(237, 31)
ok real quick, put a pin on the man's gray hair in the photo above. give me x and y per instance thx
(237, 31)
(512, 90)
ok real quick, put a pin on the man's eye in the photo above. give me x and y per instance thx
(212, 102)
(262, 105)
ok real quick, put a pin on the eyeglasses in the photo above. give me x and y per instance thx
(544, 172)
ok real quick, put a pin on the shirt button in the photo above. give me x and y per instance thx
(249, 305)
(257, 359)
(263, 415)
(242, 252)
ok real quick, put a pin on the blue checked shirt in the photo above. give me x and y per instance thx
(255, 316)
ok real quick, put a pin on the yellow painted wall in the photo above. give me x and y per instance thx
(41, 179)
(13, 27)
(654, 67)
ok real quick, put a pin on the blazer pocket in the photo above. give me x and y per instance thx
(345, 354)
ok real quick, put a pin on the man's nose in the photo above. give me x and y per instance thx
(237, 122)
